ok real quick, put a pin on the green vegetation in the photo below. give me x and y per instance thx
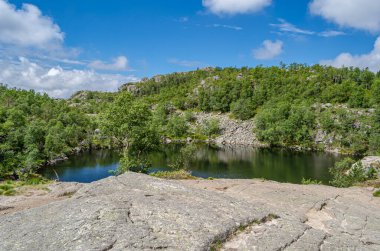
(35, 128)
(314, 107)
(310, 182)
(174, 175)
(130, 124)
(10, 187)
(349, 172)
(377, 193)
(210, 128)
(291, 105)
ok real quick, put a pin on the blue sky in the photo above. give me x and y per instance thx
(63, 46)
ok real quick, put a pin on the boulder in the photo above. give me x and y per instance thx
(371, 162)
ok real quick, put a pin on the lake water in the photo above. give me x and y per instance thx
(227, 162)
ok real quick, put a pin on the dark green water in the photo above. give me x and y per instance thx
(230, 162)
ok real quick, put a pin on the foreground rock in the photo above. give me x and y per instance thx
(129, 212)
(138, 212)
(312, 217)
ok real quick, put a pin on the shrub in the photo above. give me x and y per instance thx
(133, 164)
(174, 175)
(177, 126)
(211, 127)
(243, 109)
(310, 182)
(7, 189)
(346, 173)
(377, 193)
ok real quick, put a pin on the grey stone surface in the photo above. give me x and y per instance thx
(312, 217)
(371, 162)
(139, 212)
(129, 212)
(232, 131)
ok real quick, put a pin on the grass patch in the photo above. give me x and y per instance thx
(7, 189)
(310, 182)
(174, 175)
(377, 193)
(12, 187)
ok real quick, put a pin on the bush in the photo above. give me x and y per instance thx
(286, 125)
(349, 172)
(177, 126)
(7, 189)
(310, 182)
(174, 175)
(243, 109)
(211, 127)
(377, 193)
(132, 164)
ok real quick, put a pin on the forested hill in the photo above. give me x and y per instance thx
(293, 105)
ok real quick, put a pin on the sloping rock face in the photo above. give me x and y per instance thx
(129, 212)
(310, 217)
(372, 162)
(139, 212)
(232, 131)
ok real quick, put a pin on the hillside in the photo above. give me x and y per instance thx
(316, 107)
(297, 106)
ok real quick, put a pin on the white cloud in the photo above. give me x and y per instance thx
(231, 27)
(331, 33)
(231, 7)
(268, 50)
(370, 60)
(359, 14)
(27, 27)
(56, 81)
(119, 64)
(185, 63)
(286, 27)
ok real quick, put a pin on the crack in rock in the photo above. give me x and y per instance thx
(229, 234)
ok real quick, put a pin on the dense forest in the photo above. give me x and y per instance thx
(290, 106)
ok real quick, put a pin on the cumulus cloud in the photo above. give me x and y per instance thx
(370, 60)
(359, 14)
(56, 81)
(268, 50)
(232, 7)
(27, 27)
(119, 64)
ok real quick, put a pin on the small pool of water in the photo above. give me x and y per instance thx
(227, 162)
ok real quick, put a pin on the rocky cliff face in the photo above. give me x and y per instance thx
(232, 131)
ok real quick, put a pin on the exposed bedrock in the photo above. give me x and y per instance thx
(139, 212)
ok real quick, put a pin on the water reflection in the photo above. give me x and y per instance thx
(227, 162)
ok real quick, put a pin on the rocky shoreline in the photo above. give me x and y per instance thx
(139, 212)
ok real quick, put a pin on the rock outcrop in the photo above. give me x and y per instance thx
(371, 162)
(139, 212)
(129, 212)
(232, 131)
